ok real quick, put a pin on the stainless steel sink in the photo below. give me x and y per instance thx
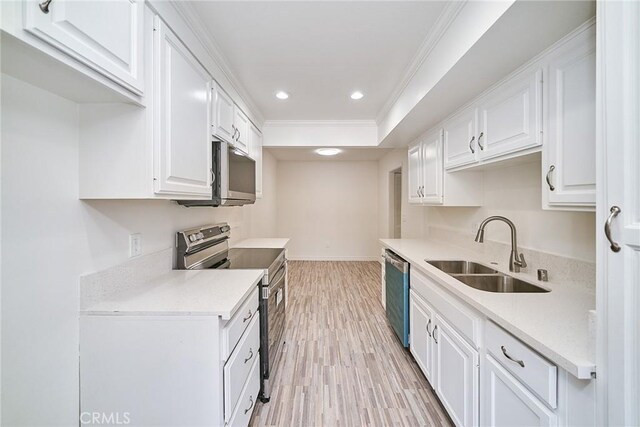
(461, 267)
(498, 283)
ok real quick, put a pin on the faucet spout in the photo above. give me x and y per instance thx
(516, 259)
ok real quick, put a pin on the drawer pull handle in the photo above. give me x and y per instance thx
(471, 146)
(615, 247)
(504, 351)
(434, 334)
(250, 355)
(428, 331)
(548, 178)
(44, 6)
(479, 139)
(250, 406)
(248, 316)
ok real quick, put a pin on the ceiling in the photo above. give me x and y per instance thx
(307, 154)
(319, 52)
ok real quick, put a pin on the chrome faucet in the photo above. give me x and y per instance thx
(516, 260)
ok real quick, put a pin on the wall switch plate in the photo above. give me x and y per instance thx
(135, 245)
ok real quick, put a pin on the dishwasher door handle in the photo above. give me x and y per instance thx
(399, 264)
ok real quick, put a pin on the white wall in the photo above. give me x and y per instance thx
(329, 209)
(515, 192)
(320, 133)
(412, 216)
(50, 238)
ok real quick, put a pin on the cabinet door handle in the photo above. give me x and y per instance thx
(479, 139)
(434, 334)
(551, 169)
(248, 316)
(504, 351)
(607, 228)
(44, 6)
(471, 146)
(250, 355)
(250, 406)
(428, 331)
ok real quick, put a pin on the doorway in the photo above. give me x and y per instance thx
(395, 203)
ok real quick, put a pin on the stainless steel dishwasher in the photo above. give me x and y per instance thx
(397, 294)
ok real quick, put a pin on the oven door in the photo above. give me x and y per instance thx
(272, 325)
(239, 178)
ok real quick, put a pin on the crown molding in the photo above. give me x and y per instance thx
(444, 21)
(194, 21)
(320, 123)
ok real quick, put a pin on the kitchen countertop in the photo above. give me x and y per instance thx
(556, 324)
(183, 292)
(266, 242)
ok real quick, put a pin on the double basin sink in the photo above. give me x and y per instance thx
(484, 278)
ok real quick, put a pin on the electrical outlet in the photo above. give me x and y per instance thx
(135, 245)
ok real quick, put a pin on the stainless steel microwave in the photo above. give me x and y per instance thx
(233, 177)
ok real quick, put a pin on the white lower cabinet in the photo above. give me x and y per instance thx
(456, 374)
(421, 324)
(507, 403)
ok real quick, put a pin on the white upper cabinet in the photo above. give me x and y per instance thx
(460, 139)
(182, 139)
(241, 125)
(414, 180)
(107, 36)
(255, 152)
(510, 117)
(222, 114)
(432, 168)
(569, 170)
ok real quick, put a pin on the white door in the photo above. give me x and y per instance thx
(432, 168)
(255, 152)
(182, 137)
(421, 324)
(414, 178)
(507, 403)
(456, 374)
(618, 155)
(241, 123)
(222, 113)
(104, 35)
(510, 117)
(569, 157)
(459, 136)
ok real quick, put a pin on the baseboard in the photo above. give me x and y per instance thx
(332, 258)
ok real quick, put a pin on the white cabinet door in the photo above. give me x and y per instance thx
(414, 181)
(222, 114)
(569, 163)
(182, 141)
(459, 135)
(255, 152)
(456, 374)
(241, 123)
(104, 35)
(421, 324)
(507, 403)
(510, 117)
(432, 168)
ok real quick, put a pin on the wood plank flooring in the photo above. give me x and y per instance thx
(343, 365)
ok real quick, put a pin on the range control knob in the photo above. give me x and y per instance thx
(200, 236)
(192, 237)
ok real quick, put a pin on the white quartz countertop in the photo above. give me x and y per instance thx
(265, 242)
(183, 292)
(556, 324)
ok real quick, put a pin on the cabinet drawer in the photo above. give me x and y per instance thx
(537, 373)
(247, 401)
(465, 321)
(239, 365)
(233, 329)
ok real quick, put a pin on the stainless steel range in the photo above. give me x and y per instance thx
(208, 247)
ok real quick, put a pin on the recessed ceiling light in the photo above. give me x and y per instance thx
(282, 95)
(357, 95)
(328, 151)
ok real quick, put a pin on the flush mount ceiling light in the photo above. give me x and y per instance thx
(328, 151)
(282, 95)
(357, 95)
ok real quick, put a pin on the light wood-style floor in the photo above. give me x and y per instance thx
(343, 365)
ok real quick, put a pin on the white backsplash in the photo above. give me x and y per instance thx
(99, 286)
(560, 268)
